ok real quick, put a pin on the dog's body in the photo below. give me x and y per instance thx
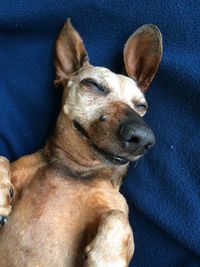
(67, 209)
(56, 218)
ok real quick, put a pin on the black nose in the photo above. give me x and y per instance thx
(137, 137)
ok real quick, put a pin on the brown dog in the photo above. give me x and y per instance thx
(67, 209)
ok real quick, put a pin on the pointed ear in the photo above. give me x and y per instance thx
(70, 53)
(142, 54)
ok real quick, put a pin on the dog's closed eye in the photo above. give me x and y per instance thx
(96, 86)
(141, 106)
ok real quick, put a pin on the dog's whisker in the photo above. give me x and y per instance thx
(136, 163)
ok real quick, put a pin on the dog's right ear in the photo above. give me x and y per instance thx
(70, 53)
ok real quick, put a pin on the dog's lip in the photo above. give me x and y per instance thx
(114, 158)
(120, 160)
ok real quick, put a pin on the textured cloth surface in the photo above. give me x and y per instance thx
(163, 190)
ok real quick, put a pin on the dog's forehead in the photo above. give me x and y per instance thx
(120, 85)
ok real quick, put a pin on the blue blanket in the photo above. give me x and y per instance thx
(163, 190)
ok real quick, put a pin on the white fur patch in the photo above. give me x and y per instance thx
(86, 106)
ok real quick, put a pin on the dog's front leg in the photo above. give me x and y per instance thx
(13, 177)
(6, 190)
(113, 246)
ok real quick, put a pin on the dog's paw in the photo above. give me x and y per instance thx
(6, 195)
(6, 190)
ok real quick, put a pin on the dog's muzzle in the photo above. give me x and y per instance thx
(135, 136)
(107, 155)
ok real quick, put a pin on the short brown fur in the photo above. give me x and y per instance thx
(67, 209)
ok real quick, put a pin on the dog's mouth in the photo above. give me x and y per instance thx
(113, 158)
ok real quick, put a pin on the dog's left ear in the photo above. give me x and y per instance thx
(142, 54)
(70, 53)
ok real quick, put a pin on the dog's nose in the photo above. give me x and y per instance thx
(136, 137)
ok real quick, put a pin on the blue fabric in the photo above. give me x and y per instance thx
(163, 190)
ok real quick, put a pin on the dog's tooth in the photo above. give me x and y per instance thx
(69, 83)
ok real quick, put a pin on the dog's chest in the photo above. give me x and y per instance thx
(55, 219)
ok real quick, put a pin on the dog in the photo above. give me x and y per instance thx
(67, 209)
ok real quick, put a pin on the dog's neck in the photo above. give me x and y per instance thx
(70, 155)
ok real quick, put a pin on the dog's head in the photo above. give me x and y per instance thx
(104, 107)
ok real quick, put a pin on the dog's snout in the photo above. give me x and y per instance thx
(136, 137)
